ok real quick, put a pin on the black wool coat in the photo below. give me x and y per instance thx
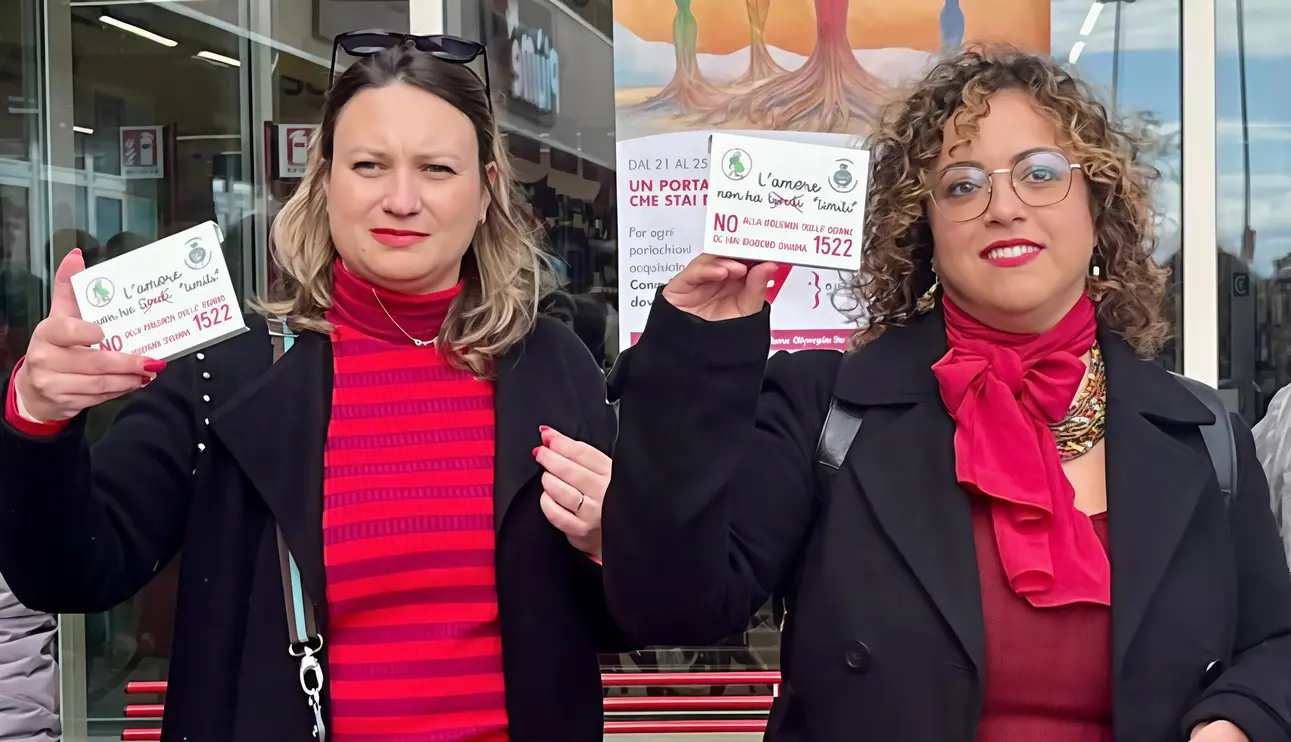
(225, 445)
(714, 504)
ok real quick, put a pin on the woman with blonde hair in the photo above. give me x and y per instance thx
(994, 519)
(389, 523)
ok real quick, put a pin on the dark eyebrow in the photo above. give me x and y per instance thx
(1016, 159)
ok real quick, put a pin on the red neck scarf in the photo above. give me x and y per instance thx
(1003, 390)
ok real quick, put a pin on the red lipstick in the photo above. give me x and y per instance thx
(398, 237)
(1011, 253)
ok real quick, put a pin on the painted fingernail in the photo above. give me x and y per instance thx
(153, 367)
(536, 450)
(145, 382)
(543, 428)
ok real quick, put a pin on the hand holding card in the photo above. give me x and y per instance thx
(112, 327)
(62, 373)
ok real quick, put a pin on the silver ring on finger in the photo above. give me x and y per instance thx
(579, 506)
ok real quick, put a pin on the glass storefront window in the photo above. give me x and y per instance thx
(22, 278)
(1253, 154)
(553, 89)
(1131, 51)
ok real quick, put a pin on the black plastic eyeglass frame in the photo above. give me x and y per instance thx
(446, 48)
(990, 184)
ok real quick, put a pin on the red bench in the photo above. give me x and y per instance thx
(754, 704)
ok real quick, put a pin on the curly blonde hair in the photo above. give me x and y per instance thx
(896, 264)
(505, 273)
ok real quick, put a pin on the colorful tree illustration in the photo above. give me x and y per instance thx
(829, 92)
(761, 65)
(689, 89)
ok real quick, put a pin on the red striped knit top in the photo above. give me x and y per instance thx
(408, 540)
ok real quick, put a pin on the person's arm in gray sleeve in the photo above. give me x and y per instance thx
(28, 673)
(1273, 446)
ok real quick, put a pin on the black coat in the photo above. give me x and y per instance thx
(84, 529)
(713, 502)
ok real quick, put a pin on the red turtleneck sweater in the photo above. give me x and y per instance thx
(408, 540)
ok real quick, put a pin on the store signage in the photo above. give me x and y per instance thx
(524, 41)
(141, 152)
(293, 149)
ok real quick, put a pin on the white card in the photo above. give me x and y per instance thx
(165, 299)
(786, 202)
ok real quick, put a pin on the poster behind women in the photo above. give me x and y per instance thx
(809, 70)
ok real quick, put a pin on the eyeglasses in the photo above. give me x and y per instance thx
(963, 192)
(451, 49)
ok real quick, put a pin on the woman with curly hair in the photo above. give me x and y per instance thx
(1026, 539)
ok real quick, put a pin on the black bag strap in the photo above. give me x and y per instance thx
(1221, 444)
(842, 423)
(302, 626)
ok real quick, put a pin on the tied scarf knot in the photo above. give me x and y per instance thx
(1007, 367)
(1003, 391)
(1043, 386)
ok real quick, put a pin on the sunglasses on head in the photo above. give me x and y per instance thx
(451, 49)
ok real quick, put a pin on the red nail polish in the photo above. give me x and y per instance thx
(543, 428)
(153, 367)
(536, 450)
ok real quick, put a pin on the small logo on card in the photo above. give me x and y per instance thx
(197, 256)
(842, 180)
(100, 292)
(736, 164)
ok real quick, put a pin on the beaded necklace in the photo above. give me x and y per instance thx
(1083, 427)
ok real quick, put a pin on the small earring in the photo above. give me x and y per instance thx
(929, 298)
(1094, 269)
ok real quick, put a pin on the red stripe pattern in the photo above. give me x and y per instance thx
(408, 541)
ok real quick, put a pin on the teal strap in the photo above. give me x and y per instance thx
(288, 336)
(297, 601)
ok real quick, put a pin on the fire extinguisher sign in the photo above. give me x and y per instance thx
(141, 152)
(293, 149)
